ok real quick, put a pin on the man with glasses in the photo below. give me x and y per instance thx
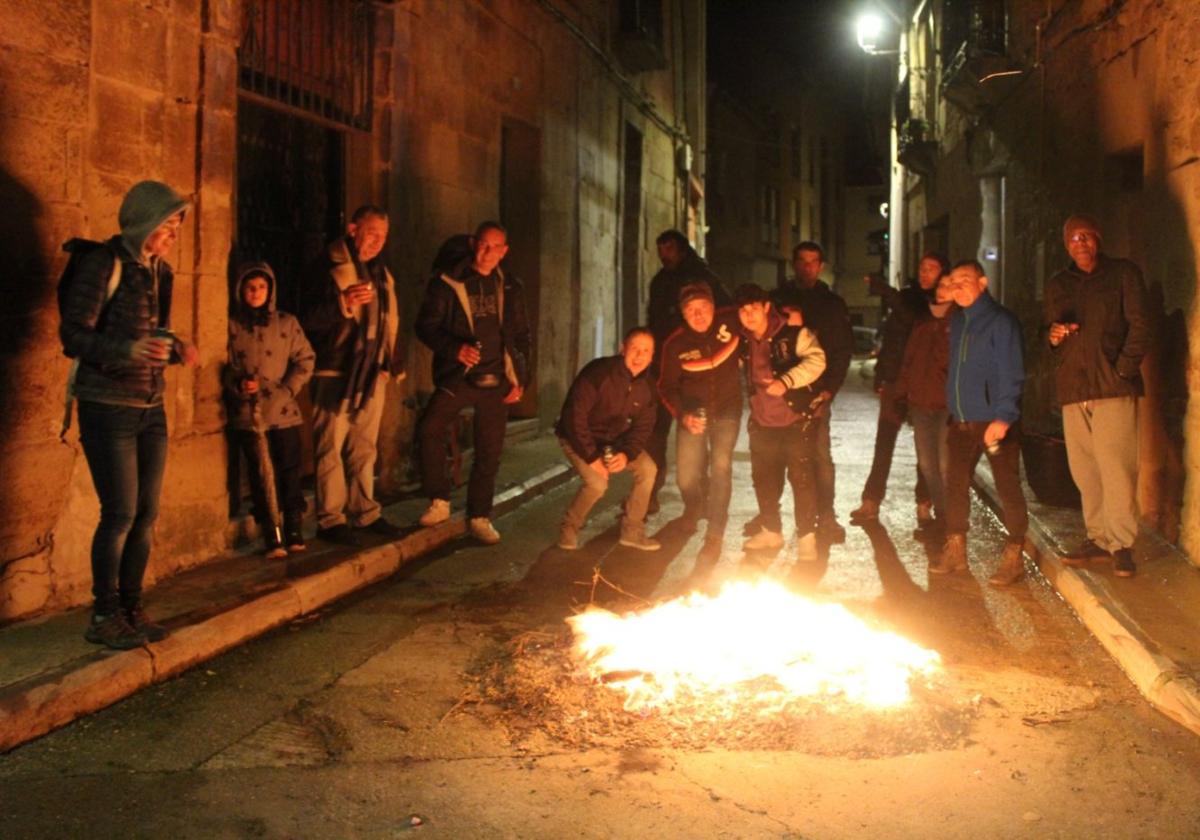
(1095, 311)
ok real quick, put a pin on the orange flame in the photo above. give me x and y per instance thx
(710, 648)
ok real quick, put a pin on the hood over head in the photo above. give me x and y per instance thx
(245, 272)
(146, 206)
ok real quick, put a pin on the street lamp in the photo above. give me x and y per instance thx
(871, 28)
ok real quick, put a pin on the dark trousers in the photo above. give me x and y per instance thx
(891, 417)
(283, 446)
(823, 469)
(774, 453)
(491, 415)
(964, 443)
(656, 447)
(126, 451)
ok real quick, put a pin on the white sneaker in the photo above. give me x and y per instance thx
(764, 540)
(481, 529)
(437, 513)
(640, 541)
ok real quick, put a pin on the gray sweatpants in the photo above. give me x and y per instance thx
(1102, 448)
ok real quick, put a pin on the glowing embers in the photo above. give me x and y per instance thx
(754, 645)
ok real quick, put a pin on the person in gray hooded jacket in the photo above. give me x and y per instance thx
(115, 309)
(270, 360)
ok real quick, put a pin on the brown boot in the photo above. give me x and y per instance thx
(1012, 566)
(953, 557)
(868, 511)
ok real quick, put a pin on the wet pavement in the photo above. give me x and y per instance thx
(352, 721)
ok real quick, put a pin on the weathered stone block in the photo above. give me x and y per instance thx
(220, 75)
(132, 41)
(36, 152)
(218, 152)
(115, 142)
(50, 30)
(37, 87)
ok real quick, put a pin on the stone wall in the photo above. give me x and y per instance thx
(97, 95)
(1104, 117)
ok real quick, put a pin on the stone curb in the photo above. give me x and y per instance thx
(48, 701)
(1159, 679)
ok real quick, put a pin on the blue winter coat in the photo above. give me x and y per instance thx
(987, 366)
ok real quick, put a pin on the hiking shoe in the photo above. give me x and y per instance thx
(340, 534)
(481, 528)
(868, 511)
(1012, 566)
(1083, 553)
(953, 557)
(114, 631)
(640, 541)
(1123, 565)
(381, 527)
(831, 531)
(437, 513)
(764, 540)
(148, 627)
(568, 538)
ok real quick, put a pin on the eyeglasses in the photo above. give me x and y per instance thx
(1081, 238)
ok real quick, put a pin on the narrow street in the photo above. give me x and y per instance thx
(359, 719)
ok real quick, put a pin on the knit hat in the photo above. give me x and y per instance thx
(1080, 222)
(695, 290)
(146, 206)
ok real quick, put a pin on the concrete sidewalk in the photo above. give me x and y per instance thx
(1149, 623)
(50, 676)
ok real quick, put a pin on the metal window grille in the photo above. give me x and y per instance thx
(314, 56)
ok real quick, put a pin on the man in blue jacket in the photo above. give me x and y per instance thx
(983, 394)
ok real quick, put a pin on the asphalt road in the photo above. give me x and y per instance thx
(360, 721)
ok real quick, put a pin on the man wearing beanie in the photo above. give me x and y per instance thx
(699, 386)
(1095, 312)
(351, 316)
(115, 303)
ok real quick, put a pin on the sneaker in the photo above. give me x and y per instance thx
(481, 528)
(764, 540)
(381, 527)
(114, 631)
(568, 538)
(806, 548)
(1123, 565)
(339, 535)
(640, 541)
(1083, 553)
(868, 511)
(437, 513)
(295, 543)
(924, 514)
(139, 621)
(273, 548)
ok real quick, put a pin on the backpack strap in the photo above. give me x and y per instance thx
(114, 280)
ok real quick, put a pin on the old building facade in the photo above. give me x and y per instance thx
(576, 124)
(1009, 115)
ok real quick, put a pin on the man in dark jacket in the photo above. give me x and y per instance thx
(1096, 315)
(473, 319)
(700, 386)
(905, 307)
(603, 428)
(824, 312)
(780, 362)
(983, 393)
(351, 318)
(681, 265)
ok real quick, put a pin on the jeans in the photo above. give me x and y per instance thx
(126, 451)
(965, 444)
(491, 418)
(929, 436)
(891, 418)
(774, 453)
(595, 486)
(709, 453)
(656, 446)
